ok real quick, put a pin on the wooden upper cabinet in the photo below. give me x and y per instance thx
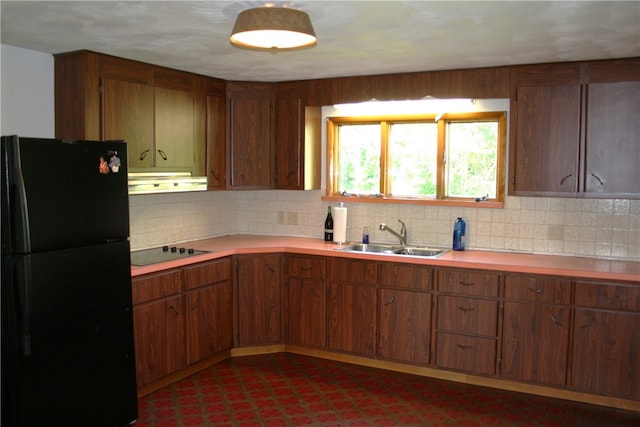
(297, 139)
(250, 135)
(575, 130)
(613, 138)
(128, 114)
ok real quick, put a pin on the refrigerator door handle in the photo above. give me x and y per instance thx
(20, 212)
(24, 303)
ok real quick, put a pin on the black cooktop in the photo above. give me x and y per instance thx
(163, 254)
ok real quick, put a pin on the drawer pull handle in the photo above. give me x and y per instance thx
(466, 283)
(589, 323)
(466, 310)
(536, 290)
(174, 310)
(391, 301)
(464, 347)
(555, 320)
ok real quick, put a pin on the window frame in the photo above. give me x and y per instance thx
(334, 123)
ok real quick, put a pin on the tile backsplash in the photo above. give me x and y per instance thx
(599, 228)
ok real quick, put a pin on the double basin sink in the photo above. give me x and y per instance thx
(419, 251)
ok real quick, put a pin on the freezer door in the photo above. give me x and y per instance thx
(63, 194)
(76, 362)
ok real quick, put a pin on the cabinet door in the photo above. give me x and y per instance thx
(174, 129)
(216, 142)
(405, 326)
(606, 353)
(250, 135)
(159, 339)
(352, 318)
(535, 342)
(547, 139)
(307, 312)
(128, 115)
(613, 135)
(259, 301)
(209, 321)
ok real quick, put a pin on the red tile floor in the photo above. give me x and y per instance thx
(291, 390)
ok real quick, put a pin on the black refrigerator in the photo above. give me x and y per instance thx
(67, 321)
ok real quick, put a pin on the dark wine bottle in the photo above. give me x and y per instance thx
(328, 227)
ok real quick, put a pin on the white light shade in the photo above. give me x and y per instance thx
(273, 28)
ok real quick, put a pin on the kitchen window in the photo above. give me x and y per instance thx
(418, 158)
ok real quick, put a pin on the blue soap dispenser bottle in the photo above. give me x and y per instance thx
(459, 228)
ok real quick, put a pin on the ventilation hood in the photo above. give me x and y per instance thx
(165, 182)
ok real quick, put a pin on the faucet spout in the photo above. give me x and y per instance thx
(402, 236)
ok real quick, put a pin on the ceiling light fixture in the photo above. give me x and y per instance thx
(269, 28)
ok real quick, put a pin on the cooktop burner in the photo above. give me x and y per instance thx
(163, 254)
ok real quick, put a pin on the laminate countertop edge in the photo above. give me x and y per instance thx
(568, 266)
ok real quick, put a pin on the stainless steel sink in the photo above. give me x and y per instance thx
(420, 251)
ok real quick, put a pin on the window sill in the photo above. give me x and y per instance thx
(408, 201)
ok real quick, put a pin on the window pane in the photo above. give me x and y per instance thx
(359, 158)
(472, 159)
(413, 149)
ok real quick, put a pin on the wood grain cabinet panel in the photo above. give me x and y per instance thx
(536, 326)
(259, 299)
(159, 339)
(208, 308)
(466, 353)
(606, 339)
(307, 301)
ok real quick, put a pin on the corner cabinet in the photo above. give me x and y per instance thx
(307, 300)
(259, 300)
(250, 135)
(574, 129)
(297, 139)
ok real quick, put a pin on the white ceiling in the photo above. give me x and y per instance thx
(355, 37)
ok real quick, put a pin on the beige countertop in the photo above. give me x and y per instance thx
(577, 267)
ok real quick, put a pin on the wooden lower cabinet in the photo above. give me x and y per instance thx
(259, 311)
(208, 308)
(405, 307)
(536, 326)
(606, 341)
(158, 319)
(467, 321)
(307, 301)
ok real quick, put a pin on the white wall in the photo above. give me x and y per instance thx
(600, 228)
(27, 107)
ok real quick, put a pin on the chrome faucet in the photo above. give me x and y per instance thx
(402, 236)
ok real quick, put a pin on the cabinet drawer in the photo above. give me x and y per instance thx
(207, 273)
(462, 282)
(154, 286)
(608, 295)
(406, 276)
(307, 267)
(353, 271)
(548, 290)
(464, 353)
(468, 315)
